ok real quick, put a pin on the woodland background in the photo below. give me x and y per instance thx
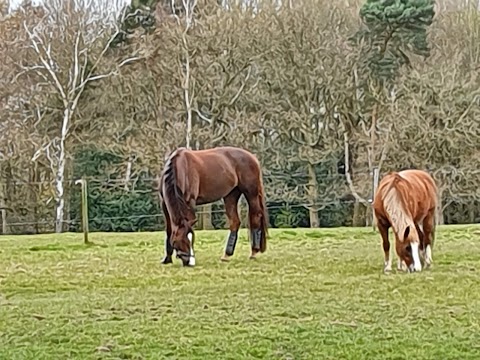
(323, 92)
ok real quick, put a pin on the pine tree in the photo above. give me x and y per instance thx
(394, 29)
(139, 14)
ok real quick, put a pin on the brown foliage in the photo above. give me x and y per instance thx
(282, 82)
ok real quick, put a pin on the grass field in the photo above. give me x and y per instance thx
(315, 294)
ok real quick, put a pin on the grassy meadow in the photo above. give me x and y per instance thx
(315, 294)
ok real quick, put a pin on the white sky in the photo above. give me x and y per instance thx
(14, 4)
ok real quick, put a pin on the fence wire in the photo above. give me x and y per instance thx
(30, 206)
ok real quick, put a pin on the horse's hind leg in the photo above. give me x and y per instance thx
(429, 236)
(168, 245)
(386, 246)
(255, 215)
(231, 209)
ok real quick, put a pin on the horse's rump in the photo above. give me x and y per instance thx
(405, 198)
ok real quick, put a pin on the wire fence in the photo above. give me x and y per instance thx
(117, 204)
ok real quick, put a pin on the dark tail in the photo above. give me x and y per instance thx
(264, 219)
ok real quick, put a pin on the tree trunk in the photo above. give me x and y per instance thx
(357, 220)
(3, 204)
(60, 176)
(66, 196)
(6, 196)
(471, 211)
(313, 194)
(368, 216)
(33, 195)
(440, 216)
(440, 220)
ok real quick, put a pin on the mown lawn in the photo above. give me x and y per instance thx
(313, 295)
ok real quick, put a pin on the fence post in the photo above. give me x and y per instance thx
(3, 209)
(4, 221)
(376, 179)
(84, 208)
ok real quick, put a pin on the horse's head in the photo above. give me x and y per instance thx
(182, 241)
(409, 249)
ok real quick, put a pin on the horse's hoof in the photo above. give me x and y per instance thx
(225, 258)
(167, 260)
(387, 270)
(253, 254)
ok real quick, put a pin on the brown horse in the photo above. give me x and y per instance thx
(405, 200)
(197, 177)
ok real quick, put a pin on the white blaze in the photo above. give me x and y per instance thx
(417, 265)
(191, 260)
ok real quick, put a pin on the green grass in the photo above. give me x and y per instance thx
(313, 295)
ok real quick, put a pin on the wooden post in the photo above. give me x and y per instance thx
(83, 183)
(376, 179)
(4, 221)
(3, 209)
(313, 194)
(206, 217)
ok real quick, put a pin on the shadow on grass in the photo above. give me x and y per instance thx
(66, 247)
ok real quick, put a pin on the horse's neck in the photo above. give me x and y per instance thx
(181, 171)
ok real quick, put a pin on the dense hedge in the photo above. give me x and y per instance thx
(112, 207)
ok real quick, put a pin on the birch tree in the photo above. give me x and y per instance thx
(67, 51)
(186, 22)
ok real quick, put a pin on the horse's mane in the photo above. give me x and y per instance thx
(172, 192)
(395, 205)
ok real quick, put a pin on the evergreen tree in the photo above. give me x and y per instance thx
(139, 14)
(393, 30)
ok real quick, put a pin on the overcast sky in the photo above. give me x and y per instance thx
(13, 4)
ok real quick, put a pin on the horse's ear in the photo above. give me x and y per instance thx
(406, 233)
(189, 223)
(192, 223)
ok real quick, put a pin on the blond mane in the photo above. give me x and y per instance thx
(396, 213)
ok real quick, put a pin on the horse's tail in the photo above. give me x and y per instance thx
(264, 217)
(172, 190)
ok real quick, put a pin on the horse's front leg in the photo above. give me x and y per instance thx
(387, 264)
(429, 236)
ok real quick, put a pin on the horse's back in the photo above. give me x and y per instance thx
(416, 187)
(414, 180)
(420, 182)
(215, 172)
(233, 154)
(227, 159)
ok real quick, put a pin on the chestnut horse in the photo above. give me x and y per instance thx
(197, 177)
(405, 200)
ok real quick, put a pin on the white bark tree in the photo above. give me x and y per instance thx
(68, 51)
(186, 21)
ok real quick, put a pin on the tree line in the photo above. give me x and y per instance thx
(326, 94)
